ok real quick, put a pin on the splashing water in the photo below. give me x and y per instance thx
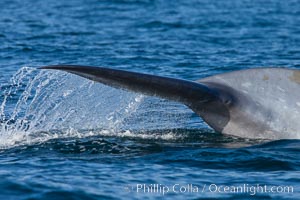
(38, 105)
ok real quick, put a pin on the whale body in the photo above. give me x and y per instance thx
(251, 103)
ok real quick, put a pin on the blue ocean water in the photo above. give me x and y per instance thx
(64, 137)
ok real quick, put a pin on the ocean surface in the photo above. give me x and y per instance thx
(65, 137)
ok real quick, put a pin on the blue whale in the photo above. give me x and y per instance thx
(252, 103)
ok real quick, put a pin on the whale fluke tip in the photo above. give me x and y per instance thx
(55, 67)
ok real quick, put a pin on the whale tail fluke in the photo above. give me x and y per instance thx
(199, 97)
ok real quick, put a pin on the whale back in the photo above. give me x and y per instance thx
(268, 97)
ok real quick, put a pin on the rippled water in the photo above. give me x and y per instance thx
(64, 137)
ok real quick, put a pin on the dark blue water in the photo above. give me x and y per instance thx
(64, 137)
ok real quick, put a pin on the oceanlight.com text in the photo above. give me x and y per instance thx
(251, 189)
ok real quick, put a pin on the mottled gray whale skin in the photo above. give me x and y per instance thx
(252, 103)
